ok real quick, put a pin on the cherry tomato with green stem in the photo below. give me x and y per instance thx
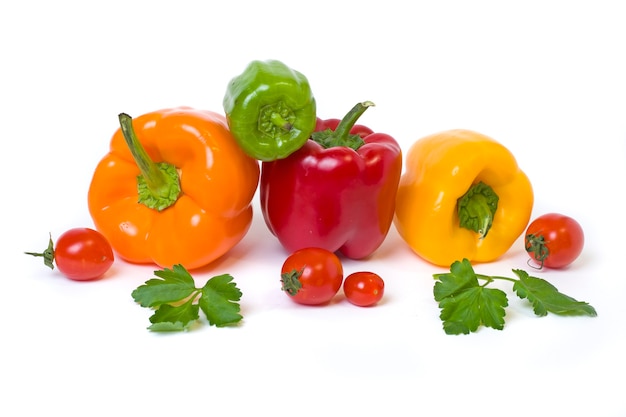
(554, 240)
(364, 289)
(311, 276)
(81, 254)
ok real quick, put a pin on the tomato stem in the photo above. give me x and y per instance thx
(537, 246)
(48, 254)
(291, 281)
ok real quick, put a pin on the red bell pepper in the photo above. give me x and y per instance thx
(337, 192)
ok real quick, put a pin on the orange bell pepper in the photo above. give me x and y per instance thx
(463, 195)
(175, 188)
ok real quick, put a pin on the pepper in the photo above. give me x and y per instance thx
(337, 192)
(463, 195)
(175, 188)
(270, 110)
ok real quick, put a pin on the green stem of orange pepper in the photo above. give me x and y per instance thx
(158, 185)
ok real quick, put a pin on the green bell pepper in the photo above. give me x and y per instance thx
(270, 110)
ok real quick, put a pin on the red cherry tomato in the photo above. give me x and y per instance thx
(554, 240)
(364, 289)
(312, 276)
(81, 254)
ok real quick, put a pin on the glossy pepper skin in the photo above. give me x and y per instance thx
(463, 195)
(191, 215)
(334, 197)
(270, 110)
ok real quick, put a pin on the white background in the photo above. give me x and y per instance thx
(545, 78)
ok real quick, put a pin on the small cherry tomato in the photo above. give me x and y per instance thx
(364, 289)
(312, 276)
(81, 254)
(554, 240)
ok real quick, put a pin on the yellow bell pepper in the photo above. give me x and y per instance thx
(462, 196)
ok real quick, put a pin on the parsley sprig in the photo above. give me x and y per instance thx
(177, 301)
(465, 304)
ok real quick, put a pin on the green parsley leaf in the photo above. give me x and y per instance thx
(545, 298)
(177, 302)
(175, 284)
(172, 318)
(464, 304)
(461, 277)
(471, 307)
(219, 301)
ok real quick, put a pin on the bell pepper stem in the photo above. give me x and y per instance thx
(148, 169)
(276, 119)
(280, 122)
(341, 136)
(477, 208)
(158, 185)
(343, 129)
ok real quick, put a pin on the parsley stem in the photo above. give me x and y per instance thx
(490, 278)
